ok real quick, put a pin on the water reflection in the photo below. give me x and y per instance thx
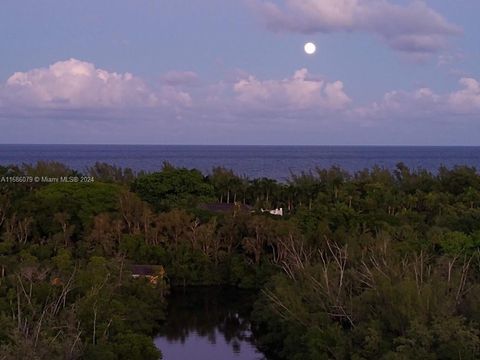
(208, 323)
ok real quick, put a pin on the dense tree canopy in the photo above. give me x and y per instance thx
(172, 188)
(377, 264)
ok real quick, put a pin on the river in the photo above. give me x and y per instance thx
(208, 323)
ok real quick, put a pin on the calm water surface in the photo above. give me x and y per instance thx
(276, 162)
(208, 324)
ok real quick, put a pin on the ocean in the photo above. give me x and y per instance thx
(277, 162)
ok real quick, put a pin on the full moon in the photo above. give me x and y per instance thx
(310, 48)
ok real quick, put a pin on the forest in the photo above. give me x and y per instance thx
(379, 264)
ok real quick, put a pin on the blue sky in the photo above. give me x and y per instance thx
(234, 72)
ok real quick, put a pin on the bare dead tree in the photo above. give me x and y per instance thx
(332, 283)
(464, 272)
(18, 230)
(282, 309)
(193, 232)
(294, 254)
(67, 230)
(135, 212)
(35, 322)
(4, 208)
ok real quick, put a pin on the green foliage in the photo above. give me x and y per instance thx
(372, 265)
(127, 346)
(135, 347)
(112, 174)
(458, 243)
(380, 306)
(81, 201)
(173, 188)
(136, 249)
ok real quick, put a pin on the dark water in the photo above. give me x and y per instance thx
(254, 161)
(208, 324)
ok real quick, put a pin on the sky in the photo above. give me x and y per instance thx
(386, 72)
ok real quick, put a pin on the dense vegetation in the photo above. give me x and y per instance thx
(374, 265)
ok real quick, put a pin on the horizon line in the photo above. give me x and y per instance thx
(237, 145)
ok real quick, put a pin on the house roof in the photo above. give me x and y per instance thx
(145, 270)
(225, 208)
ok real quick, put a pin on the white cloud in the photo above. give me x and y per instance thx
(466, 100)
(175, 78)
(300, 92)
(78, 91)
(425, 103)
(73, 84)
(415, 28)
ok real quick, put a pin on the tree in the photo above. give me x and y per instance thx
(172, 188)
